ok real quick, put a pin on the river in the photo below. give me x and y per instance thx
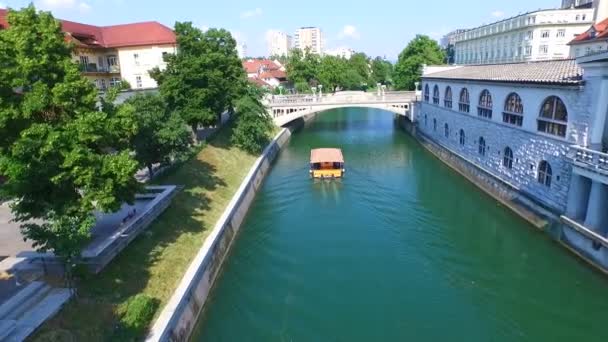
(401, 249)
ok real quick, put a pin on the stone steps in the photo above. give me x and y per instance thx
(28, 309)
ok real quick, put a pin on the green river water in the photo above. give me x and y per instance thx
(401, 249)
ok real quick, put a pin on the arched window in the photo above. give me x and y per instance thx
(446, 130)
(447, 99)
(484, 109)
(553, 118)
(426, 93)
(463, 101)
(462, 137)
(482, 146)
(545, 173)
(436, 95)
(507, 160)
(514, 110)
(434, 124)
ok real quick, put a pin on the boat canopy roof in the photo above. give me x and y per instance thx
(326, 155)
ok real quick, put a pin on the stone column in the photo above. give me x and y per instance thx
(599, 116)
(578, 197)
(596, 210)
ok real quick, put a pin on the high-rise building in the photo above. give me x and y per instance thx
(279, 43)
(310, 38)
(533, 36)
(241, 49)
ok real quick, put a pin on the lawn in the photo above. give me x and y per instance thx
(155, 262)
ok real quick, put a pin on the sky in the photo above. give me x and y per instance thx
(378, 28)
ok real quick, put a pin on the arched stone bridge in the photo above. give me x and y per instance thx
(286, 108)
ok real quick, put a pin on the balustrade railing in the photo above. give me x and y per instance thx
(590, 159)
(340, 98)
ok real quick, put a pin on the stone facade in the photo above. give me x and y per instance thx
(529, 146)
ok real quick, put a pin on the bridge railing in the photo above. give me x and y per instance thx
(339, 98)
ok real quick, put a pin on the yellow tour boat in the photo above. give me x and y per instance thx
(326, 163)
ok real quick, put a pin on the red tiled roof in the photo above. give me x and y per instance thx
(136, 34)
(278, 74)
(3, 21)
(258, 82)
(601, 33)
(254, 65)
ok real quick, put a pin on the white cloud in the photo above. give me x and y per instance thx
(349, 31)
(84, 7)
(64, 5)
(252, 13)
(498, 14)
(204, 28)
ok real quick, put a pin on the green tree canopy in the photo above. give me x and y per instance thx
(421, 50)
(162, 135)
(62, 157)
(381, 71)
(203, 78)
(253, 123)
(302, 66)
(332, 72)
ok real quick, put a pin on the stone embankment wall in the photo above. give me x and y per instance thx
(181, 313)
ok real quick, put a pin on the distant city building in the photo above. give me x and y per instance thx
(309, 38)
(343, 52)
(109, 54)
(241, 50)
(279, 43)
(533, 36)
(595, 39)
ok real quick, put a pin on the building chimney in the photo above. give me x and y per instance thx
(600, 10)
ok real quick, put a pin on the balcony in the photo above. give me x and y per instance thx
(93, 68)
(589, 160)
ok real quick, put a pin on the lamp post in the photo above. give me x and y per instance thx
(378, 85)
(314, 94)
(320, 91)
(383, 91)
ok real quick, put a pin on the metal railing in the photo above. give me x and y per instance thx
(92, 67)
(589, 159)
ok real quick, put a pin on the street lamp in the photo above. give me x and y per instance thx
(417, 84)
(314, 93)
(320, 90)
(378, 85)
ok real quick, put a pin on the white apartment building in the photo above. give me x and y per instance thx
(344, 52)
(279, 43)
(310, 37)
(533, 36)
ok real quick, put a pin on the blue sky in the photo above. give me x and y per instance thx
(378, 28)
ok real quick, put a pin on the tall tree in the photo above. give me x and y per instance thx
(381, 71)
(421, 50)
(162, 135)
(63, 158)
(253, 123)
(359, 62)
(202, 79)
(302, 66)
(331, 72)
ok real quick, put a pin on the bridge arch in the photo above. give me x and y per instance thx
(285, 109)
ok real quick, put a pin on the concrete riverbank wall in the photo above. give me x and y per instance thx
(178, 319)
(541, 217)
